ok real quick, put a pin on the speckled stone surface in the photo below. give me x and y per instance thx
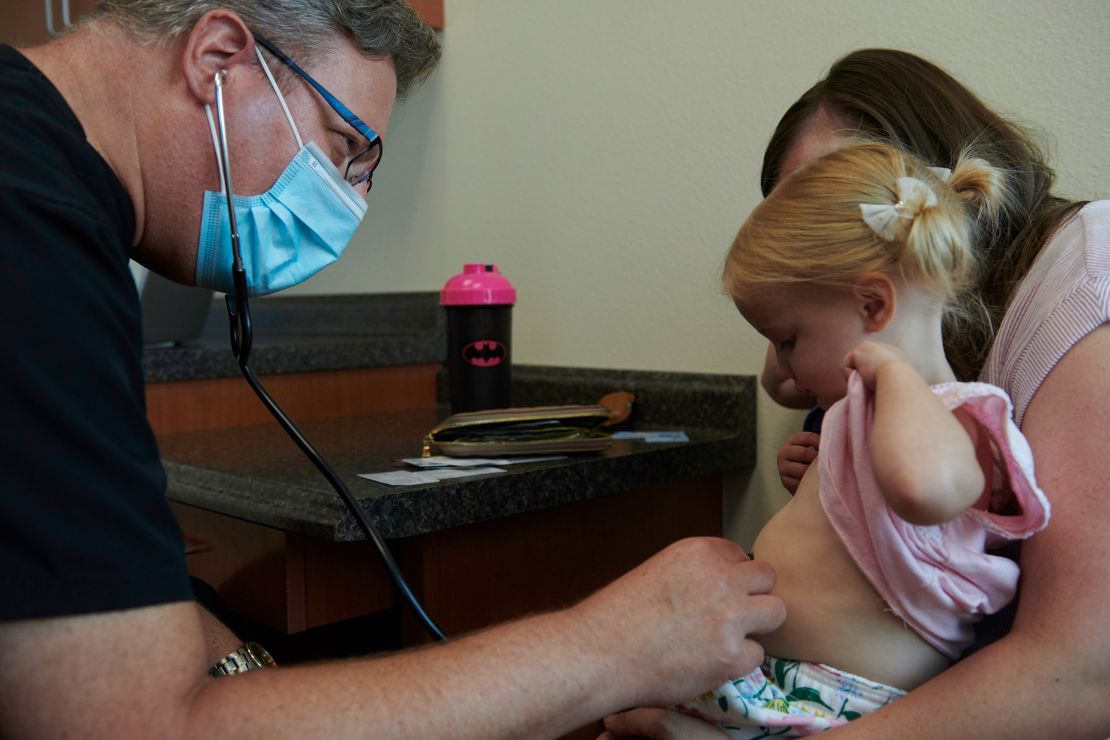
(312, 333)
(257, 474)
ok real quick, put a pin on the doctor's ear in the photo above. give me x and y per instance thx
(220, 40)
(876, 300)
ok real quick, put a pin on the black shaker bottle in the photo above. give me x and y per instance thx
(479, 304)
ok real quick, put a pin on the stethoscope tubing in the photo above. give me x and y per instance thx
(238, 309)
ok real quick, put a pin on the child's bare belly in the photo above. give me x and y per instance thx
(834, 615)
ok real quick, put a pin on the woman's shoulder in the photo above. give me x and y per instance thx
(1096, 212)
(1063, 297)
(1076, 253)
(1086, 233)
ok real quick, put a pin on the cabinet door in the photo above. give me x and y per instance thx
(24, 22)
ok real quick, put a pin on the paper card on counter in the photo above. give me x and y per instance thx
(398, 478)
(445, 473)
(425, 477)
(444, 461)
(653, 437)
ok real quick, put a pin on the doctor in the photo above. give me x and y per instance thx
(107, 153)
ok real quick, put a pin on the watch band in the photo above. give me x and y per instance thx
(250, 656)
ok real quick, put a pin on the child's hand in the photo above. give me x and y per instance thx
(795, 457)
(868, 357)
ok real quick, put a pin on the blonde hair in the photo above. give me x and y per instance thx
(811, 229)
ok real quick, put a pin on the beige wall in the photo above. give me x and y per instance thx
(604, 152)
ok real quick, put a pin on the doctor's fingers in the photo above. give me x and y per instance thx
(750, 577)
(760, 614)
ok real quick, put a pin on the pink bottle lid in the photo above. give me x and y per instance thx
(478, 285)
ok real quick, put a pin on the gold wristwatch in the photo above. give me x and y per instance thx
(250, 656)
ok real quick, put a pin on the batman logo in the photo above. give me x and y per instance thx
(484, 353)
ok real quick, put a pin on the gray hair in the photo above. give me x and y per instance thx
(301, 28)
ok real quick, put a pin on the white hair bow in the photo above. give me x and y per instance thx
(891, 221)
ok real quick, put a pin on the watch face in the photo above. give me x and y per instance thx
(260, 655)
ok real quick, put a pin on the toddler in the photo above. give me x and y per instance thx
(848, 268)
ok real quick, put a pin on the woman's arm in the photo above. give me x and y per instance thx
(1050, 677)
(925, 458)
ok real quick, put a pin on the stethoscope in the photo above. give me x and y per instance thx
(239, 316)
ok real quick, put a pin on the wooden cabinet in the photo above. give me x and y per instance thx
(467, 577)
(430, 10)
(28, 22)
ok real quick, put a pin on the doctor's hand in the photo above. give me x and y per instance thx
(679, 624)
(658, 724)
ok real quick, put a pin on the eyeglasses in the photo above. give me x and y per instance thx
(360, 169)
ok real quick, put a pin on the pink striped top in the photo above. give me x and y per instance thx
(1064, 297)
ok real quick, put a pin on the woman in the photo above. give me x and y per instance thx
(1044, 338)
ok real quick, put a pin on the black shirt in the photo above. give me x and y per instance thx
(84, 522)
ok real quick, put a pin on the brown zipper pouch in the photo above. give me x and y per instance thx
(537, 430)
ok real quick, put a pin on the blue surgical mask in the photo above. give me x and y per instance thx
(298, 227)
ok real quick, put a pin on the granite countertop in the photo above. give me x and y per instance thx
(258, 474)
(312, 333)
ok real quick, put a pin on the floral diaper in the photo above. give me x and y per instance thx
(790, 698)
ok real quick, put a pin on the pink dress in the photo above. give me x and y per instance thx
(938, 579)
